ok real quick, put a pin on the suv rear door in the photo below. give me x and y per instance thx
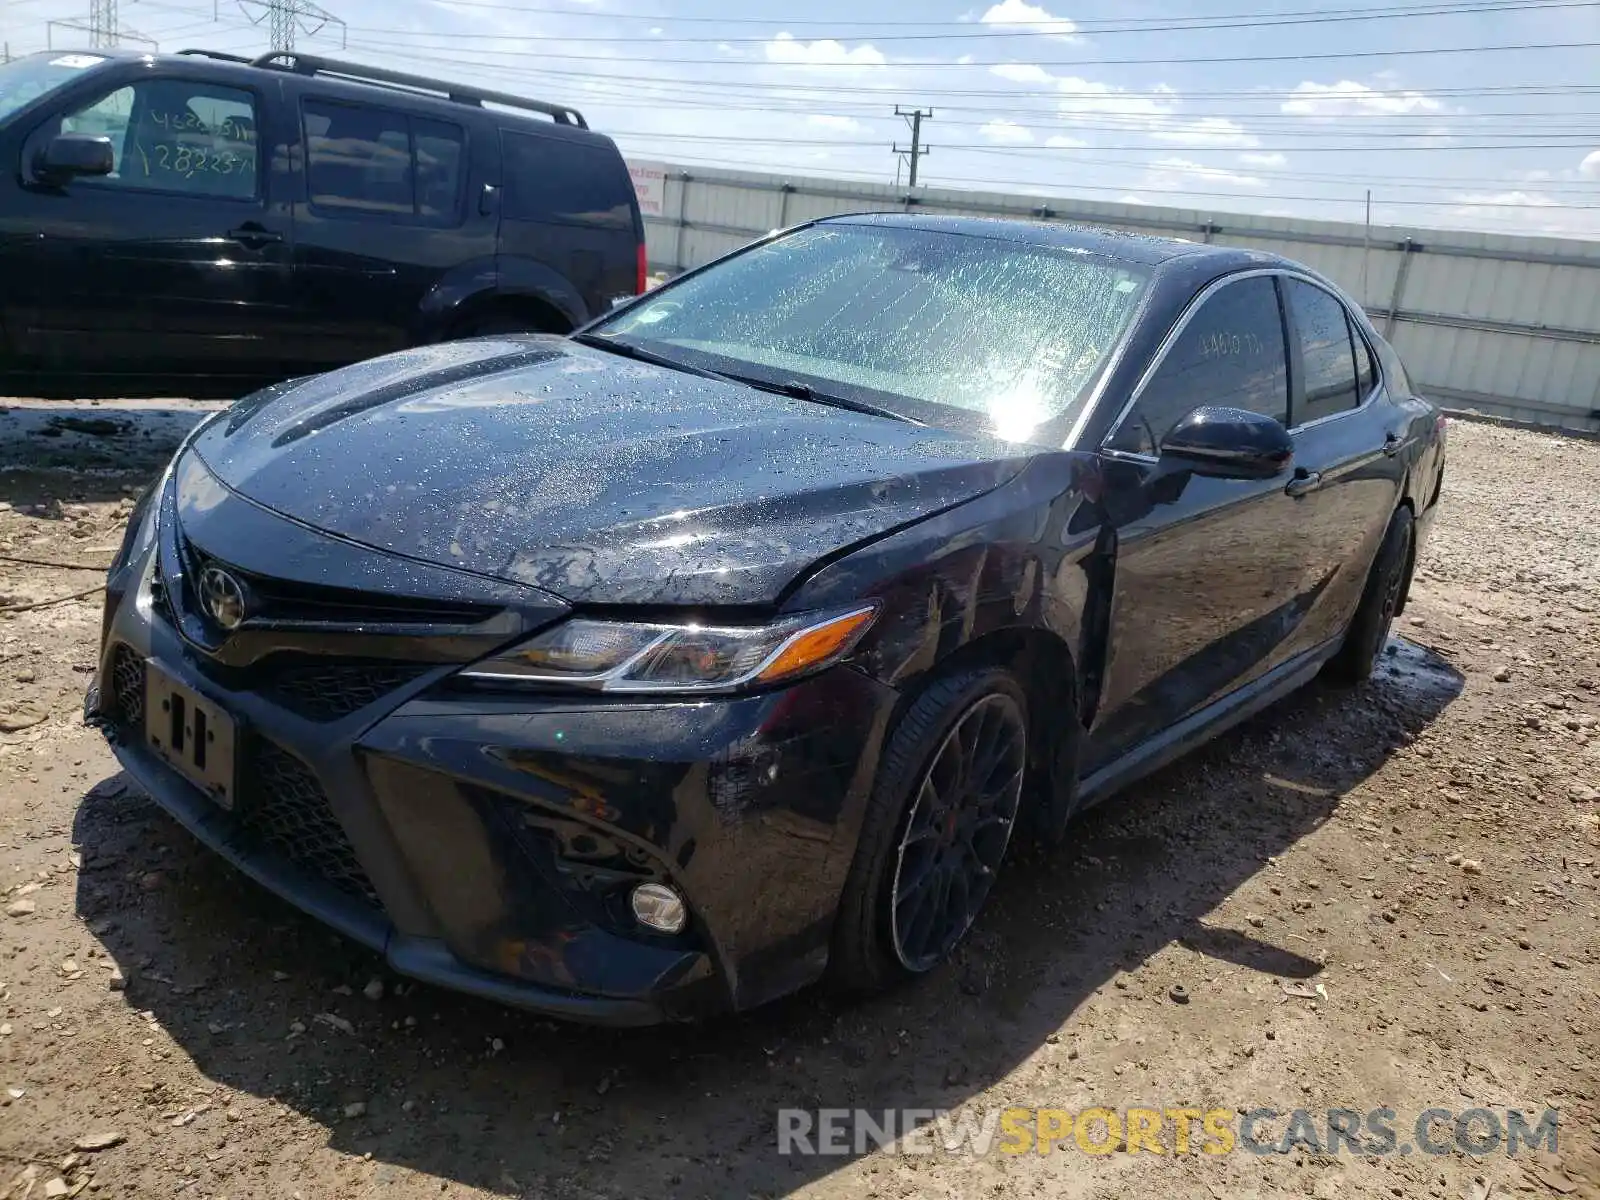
(569, 211)
(177, 263)
(384, 215)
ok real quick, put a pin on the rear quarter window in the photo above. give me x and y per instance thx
(551, 179)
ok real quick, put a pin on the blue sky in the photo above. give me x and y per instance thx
(1029, 96)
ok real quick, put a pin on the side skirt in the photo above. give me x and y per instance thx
(1203, 725)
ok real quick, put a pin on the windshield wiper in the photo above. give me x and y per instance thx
(628, 350)
(789, 387)
(804, 391)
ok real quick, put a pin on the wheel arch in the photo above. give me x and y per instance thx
(1045, 666)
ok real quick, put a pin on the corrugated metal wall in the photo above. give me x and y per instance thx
(1499, 324)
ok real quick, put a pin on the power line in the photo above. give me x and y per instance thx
(1072, 28)
(842, 143)
(1324, 56)
(823, 92)
(1080, 23)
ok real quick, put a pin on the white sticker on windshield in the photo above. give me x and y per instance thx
(77, 61)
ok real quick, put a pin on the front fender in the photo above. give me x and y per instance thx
(1011, 559)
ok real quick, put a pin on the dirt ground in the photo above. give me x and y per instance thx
(1423, 848)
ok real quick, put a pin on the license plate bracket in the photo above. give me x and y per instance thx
(192, 735)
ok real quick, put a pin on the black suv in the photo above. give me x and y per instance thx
(206, 223)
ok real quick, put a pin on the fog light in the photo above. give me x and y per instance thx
(659, 907)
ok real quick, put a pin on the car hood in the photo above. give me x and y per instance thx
(594, 477)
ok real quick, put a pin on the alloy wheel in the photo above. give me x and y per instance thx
(957, 831)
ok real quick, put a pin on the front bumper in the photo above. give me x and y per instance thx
(487, 844)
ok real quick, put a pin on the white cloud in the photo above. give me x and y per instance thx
(1023, 73)
(1062, 142)
(1350, 99)
(1020, 14)
(1087, 96)
(1272, 159)
(1171, 174)
(656, 31)
(1005, 131)
(1207, 131)
(785, 49)
(1589, 168)
(1489, 201)
(840, 124)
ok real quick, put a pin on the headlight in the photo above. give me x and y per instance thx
(616, 656)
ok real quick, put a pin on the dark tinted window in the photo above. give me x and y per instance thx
(1324, 334)
(173, 135)
(438, 152)
(1230, 353)
(576, 183)
(375, 161)
(1364, 371)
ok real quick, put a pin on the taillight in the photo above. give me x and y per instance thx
(644, 271)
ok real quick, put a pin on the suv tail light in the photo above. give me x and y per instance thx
(644, 270)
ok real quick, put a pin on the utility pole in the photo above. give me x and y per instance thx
(914, 118)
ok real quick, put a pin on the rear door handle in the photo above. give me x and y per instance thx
(1391, 443)
(252, 236)
(1304, 482)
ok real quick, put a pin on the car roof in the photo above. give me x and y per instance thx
(1142, 248)
(373, 88)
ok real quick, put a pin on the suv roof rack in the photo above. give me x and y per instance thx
(311, 64)
(218, 54)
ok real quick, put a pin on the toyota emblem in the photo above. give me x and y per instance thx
(222, 596)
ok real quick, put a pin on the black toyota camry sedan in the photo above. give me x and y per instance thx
(728, 643)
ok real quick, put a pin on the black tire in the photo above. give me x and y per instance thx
(869, 952)
(1364, 640)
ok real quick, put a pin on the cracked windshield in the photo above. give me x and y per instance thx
(1012, 333)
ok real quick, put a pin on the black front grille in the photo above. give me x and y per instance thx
(127, 686)
(286, 808)
(275, 599)
(326, 692)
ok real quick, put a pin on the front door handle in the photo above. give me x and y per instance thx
(1391, 444)
(1304, 482)
(253, 237)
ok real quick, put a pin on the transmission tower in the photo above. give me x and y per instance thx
(288, 20)
(104, 27)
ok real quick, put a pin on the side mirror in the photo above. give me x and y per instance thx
(73, 155)
(1228, 443)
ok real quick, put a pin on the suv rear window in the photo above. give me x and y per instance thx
(374, 160)
(571, 183)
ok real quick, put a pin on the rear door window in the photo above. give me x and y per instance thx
(1323, 332)
(552, 179)
(1231, 353)
(383, 163)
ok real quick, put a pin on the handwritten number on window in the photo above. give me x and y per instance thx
(1223, 344)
